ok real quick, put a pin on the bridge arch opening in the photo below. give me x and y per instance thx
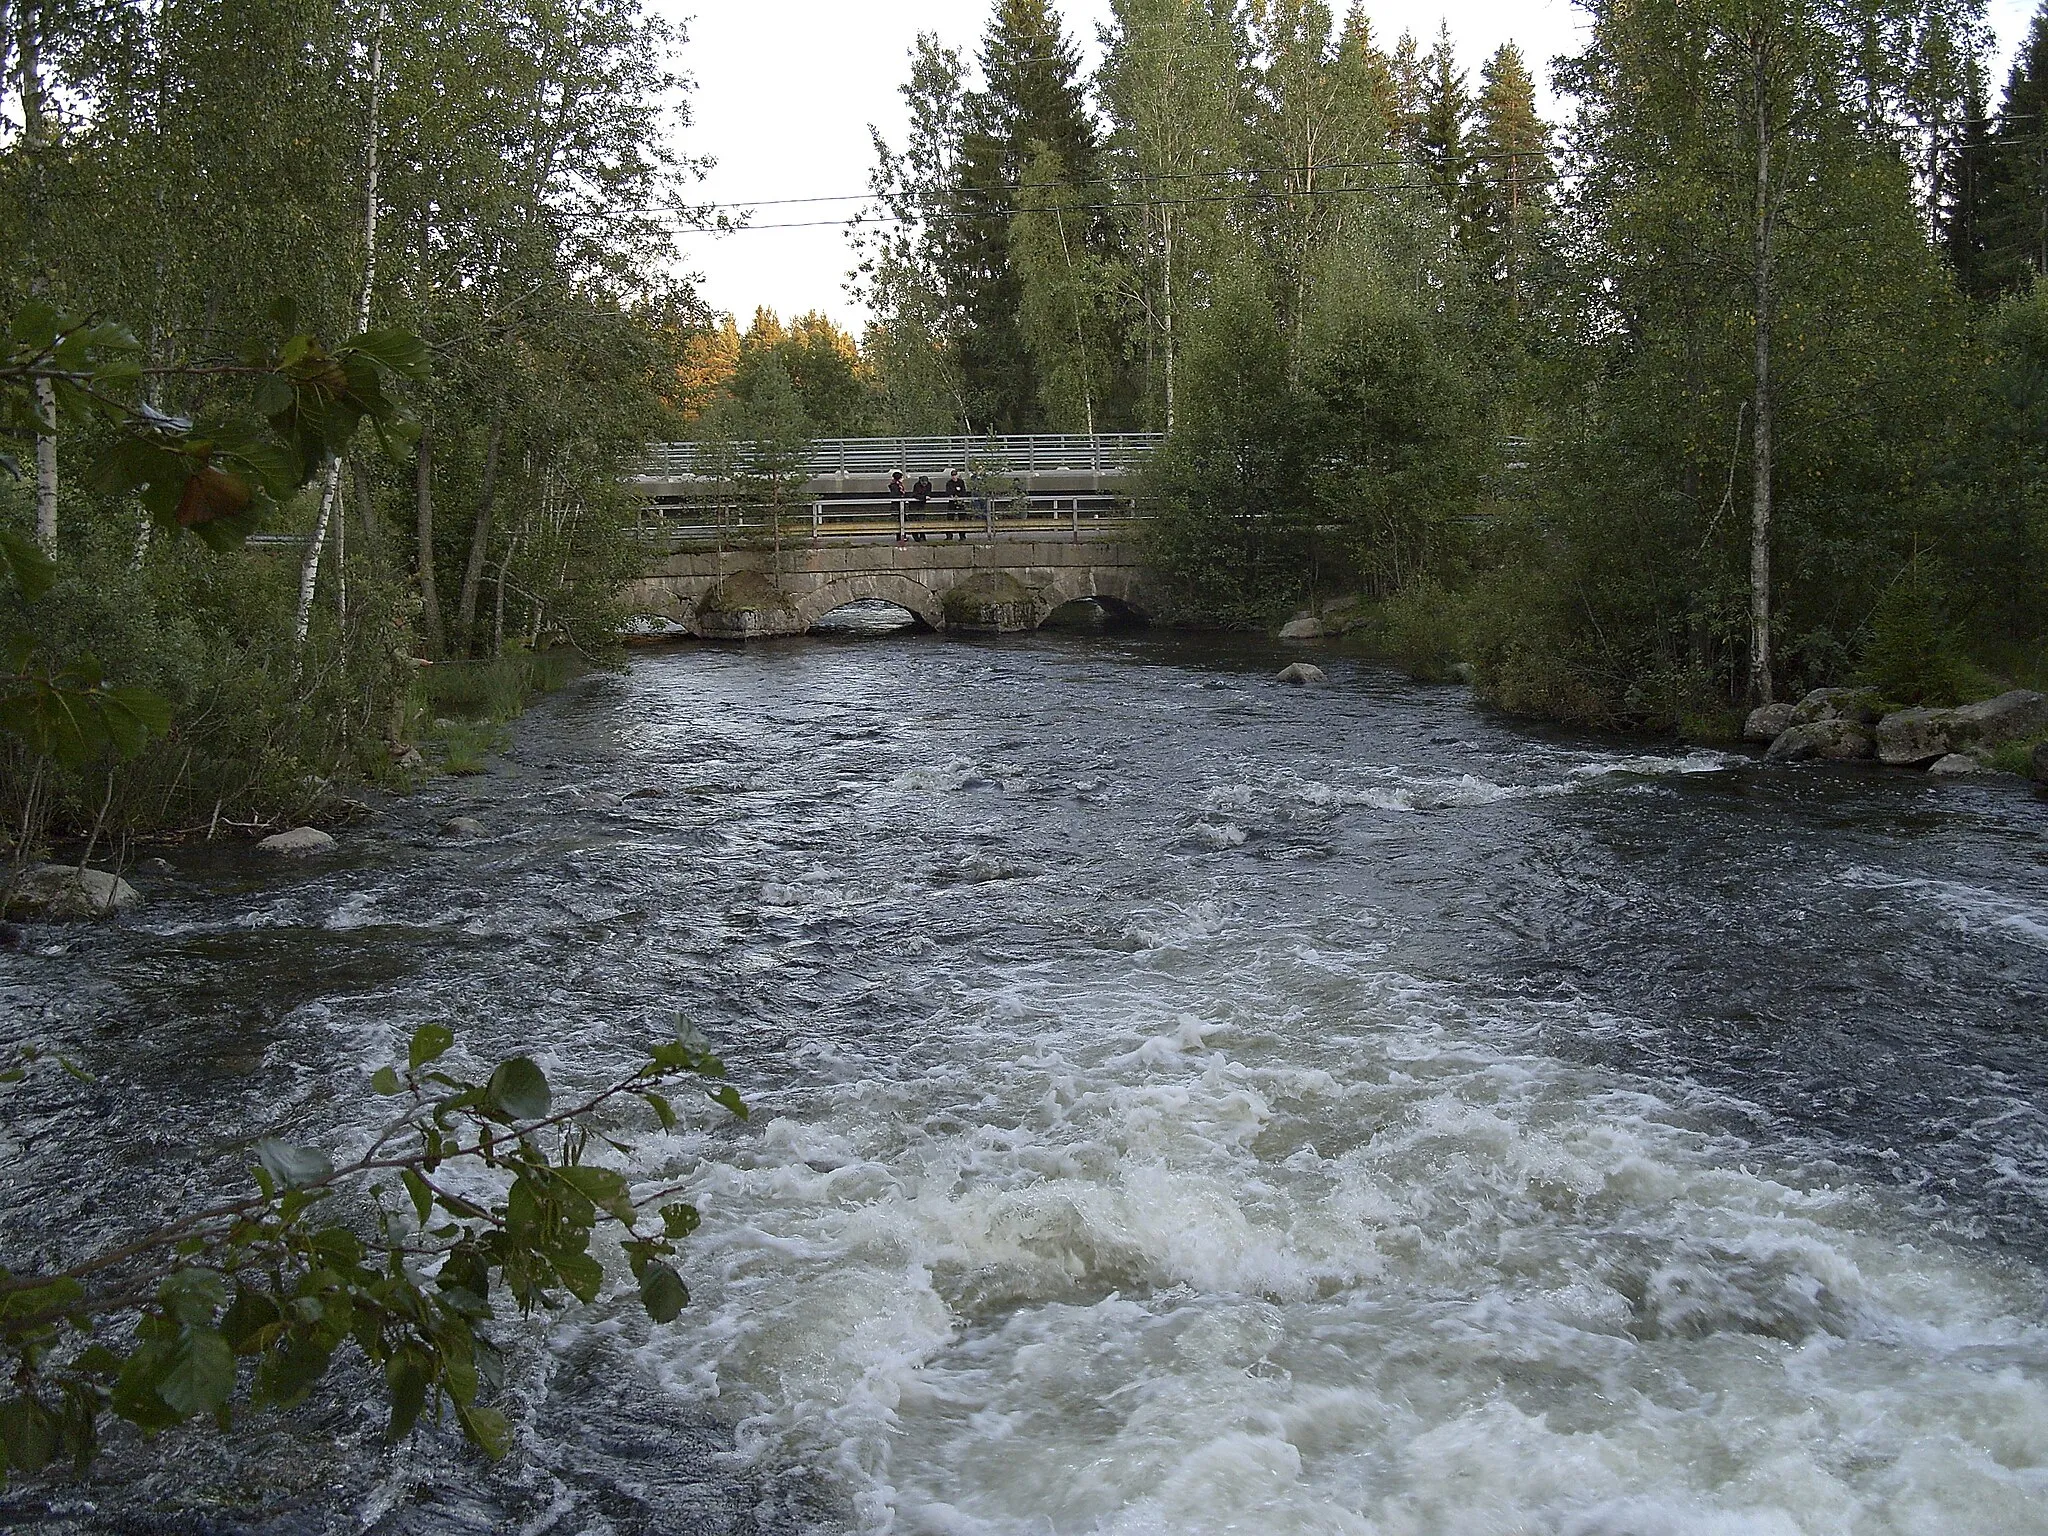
(865, 617)
(1091, 614)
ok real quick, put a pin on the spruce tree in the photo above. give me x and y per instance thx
(1030, 96)
(2016, 205)
(1441, 126)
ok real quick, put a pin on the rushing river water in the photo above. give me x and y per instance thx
(1182, 1104)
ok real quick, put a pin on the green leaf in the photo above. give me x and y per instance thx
(406, 1375)
(32, 570)
(401, 352)
(663, 1110)
(200, 1375)
(663, 1291)
(192, 1295)
(385, 1081)
(728, 1096)
(582, 1274)
(430, 1042)
(486, 1429)
(293, 1167)
(519, 1089)
(603, 1187)
(30, 1434)
(680, 1220)
(422, 1197)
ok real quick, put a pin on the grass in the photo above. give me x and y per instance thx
(499, 688)
(468, 702)
(2016, 756)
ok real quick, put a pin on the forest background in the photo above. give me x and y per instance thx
(1729, 386)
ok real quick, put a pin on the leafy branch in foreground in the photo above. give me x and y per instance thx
(473, 1190)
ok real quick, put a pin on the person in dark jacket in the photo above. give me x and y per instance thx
(920, 498)
(896, 492)
(956, 503)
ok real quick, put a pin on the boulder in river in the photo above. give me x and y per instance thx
(1302, 629)
(66, 893)
(646, 792)
(1955, 765)
(1837, 740)
(1858, 704)
(464, 827)
(297, 843)
(1913, 736)
(1302, 675)
(1769, 722)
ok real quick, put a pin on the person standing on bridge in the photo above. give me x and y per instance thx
(897, 493)
(956, 492)
(920, 498)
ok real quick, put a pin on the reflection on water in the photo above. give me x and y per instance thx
(1183, 1104)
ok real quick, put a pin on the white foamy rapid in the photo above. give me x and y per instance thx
(1229, 1228)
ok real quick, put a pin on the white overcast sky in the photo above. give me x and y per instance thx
(786, 90)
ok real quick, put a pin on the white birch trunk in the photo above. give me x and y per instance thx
(309, 570)
(1760, 682)
(46, 466)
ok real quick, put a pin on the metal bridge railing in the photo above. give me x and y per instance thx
(1042, 454)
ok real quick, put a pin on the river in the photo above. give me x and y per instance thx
(1181, 1104)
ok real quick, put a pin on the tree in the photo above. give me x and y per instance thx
(1441, 125)
(1511, 180)
(901, 262)
(1030, 103)
(2015, 215)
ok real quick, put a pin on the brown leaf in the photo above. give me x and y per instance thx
(211, 494)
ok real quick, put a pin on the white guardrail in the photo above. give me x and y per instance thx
(1044, 454)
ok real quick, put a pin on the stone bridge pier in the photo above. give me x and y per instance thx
(979, 588)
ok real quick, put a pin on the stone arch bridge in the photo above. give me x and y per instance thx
(993, 587)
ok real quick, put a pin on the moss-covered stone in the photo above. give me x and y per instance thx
(746, 605)
(993, 603)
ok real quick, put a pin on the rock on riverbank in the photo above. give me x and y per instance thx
(58, 893)
(1846, 725)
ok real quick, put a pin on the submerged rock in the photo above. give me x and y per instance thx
(464, 827)
(65, 893)
(1914, 736)
(297, 843)
(1302, 675)
(1955, 765)
(1836, 740)
(646, 792)
(1768, 723)
(1302, 629)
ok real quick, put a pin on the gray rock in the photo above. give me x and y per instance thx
(1303, 675)
(1302, 629)
(464, 827)
(409, 761)
(1858, 704)
(646, 792)
(1955, 765)
(297, 843)
(2039, 765)
(157, 867)
(13, 936)
(1837, 740)
(66, 893)
(1914, 736)
(1768, 723)
(1464, 672)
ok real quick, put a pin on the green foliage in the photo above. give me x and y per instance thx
(498, 688)
(397, 1254)
(1910, 655)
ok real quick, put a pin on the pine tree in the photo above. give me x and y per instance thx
(1030, 96)
(1969, 175)
(1511, 178)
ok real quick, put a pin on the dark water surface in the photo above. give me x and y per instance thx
(1182, 1104)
